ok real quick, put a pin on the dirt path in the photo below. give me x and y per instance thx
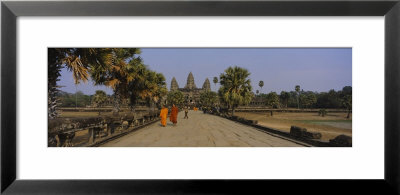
(200, 130)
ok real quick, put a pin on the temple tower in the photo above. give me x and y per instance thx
(190, 82)
(174, 84)
(206, 85)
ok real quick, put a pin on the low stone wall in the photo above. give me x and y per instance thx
(120, 134)
(62, 131)
(102, 109)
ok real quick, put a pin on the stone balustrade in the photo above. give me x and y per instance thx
(87, 131)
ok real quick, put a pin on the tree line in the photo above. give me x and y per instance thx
(79, 99)
(236, 90)
(308, 99)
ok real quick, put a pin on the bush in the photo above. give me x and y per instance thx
(322, 112)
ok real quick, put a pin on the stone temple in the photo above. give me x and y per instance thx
(190, 91)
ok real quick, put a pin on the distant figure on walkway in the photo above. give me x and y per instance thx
(186, 112)
(163, 116)
(174, 114)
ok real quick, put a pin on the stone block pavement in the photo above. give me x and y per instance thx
(200, 130)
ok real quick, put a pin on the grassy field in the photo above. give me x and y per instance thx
(329, 126)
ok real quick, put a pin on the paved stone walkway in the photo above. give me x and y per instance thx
(200, 130)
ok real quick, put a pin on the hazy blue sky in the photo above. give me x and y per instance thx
(314, 69)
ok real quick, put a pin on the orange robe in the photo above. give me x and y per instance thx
(174, 114)
(163, 115)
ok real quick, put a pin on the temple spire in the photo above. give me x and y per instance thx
(206, 85)
(190, 82)
(174, 84)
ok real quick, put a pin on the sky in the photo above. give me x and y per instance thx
(281, 69)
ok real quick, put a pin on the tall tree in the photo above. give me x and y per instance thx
(99, 99)
(308, 99)
(346, 99)
(55, 62)
(235, 87)
(272, 100)
(118, 72)
(285, 98)
(297, 89)
(261, 84)
(215, 80)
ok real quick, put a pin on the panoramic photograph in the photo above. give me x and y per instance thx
(199, 97)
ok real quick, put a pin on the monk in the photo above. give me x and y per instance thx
(186, 113)
(174, 114)
(163, 116)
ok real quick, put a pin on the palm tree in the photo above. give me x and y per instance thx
(161, 90)
(76, 60)
(346, 98)
(147, 85)
(153, 88)
(261, 84)
(235, 87)
(215, 80)
(117, 72)
(55, 63)
(297, 88)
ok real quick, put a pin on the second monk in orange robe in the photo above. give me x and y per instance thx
(174, 114)
(163, 116)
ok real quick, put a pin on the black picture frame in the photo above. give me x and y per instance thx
(10, 10)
